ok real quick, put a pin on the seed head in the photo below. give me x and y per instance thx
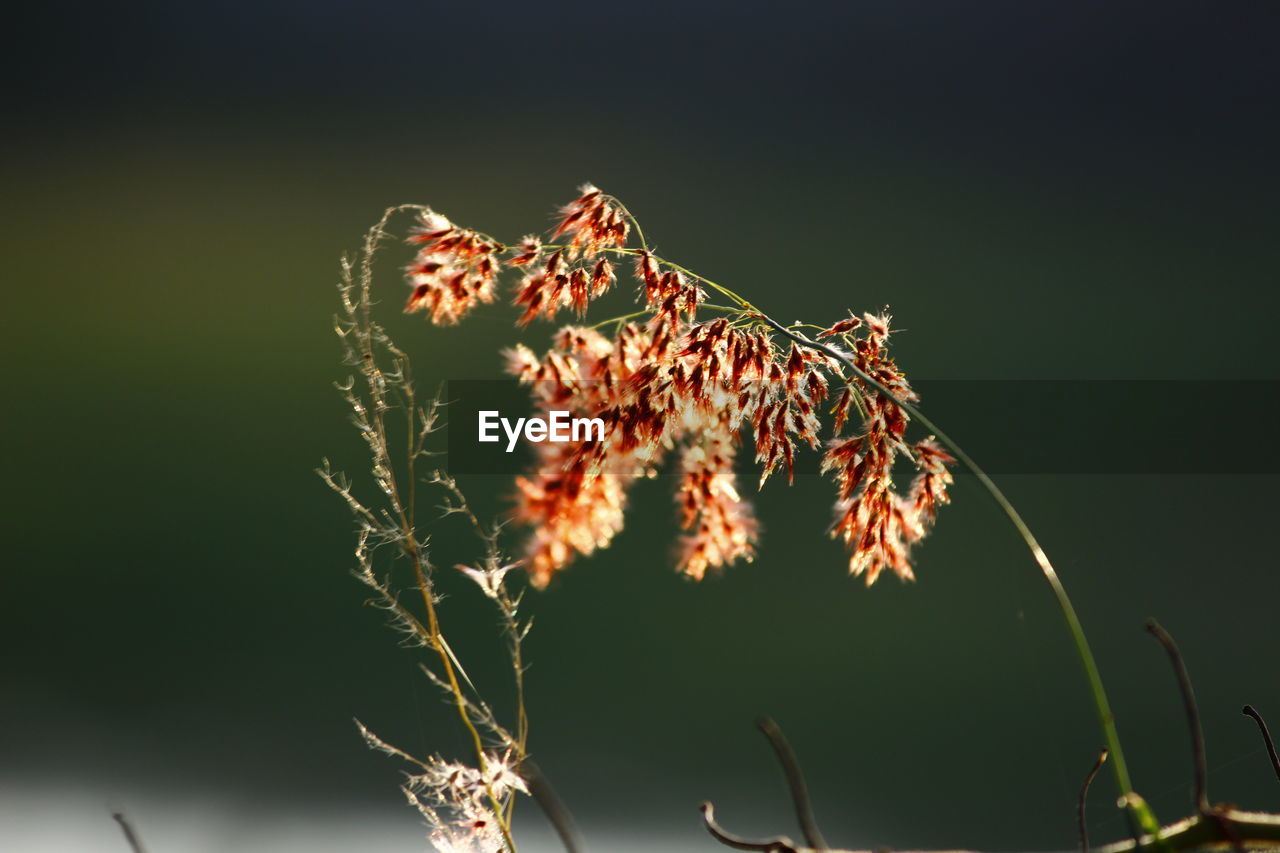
(592, 222)
(680, 383)
(455, 269)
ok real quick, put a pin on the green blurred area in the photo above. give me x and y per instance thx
(176, 608)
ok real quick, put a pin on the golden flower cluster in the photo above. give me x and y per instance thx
(672, 382)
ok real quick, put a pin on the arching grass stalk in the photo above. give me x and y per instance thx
(1137, 807)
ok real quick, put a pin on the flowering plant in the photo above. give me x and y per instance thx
(683, 376)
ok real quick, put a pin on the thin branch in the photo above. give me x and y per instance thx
(780, 844)
(1193, 714)
(1250, 711)
(795, 781)
(552, 806)
(130, 834)
(1084, 790)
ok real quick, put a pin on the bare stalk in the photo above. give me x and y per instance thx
(130, 834)
(795, 782)
(1250, 711)
(777, 844)
(1084, 792)
(1193, 714)
(553, 807)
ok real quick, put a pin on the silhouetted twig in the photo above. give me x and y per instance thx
(795, 781)
(1084, 790)
(552, 806)
(1193, 714)
(779, 844)
(130, 835)
(1250, 711)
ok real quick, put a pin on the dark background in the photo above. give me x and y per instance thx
(1040, 191)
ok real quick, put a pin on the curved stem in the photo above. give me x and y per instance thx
(1199, 763)
(130, 834)
(1084, 793)
(1250, 711)
(795, 782)
(1136, 805)
(552, 806)
(777, 844)
(743, 304)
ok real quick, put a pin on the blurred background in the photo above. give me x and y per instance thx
(1079, 191)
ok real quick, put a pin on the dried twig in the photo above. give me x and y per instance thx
(552, 806)
(1084, 790)
(130, 834)
(1218, 816)
(779, 844)
(1250, 711)
(1193, 714)
(795, 782)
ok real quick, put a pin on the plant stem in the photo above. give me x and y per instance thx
(1138, 808)
(409, 544)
